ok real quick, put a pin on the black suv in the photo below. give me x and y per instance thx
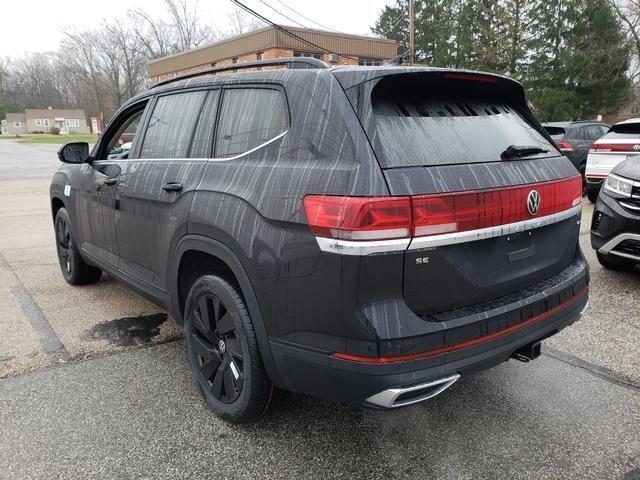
(615, 226)
(574, 139)
(361, 234)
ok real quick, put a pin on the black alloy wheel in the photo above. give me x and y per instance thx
(74, 269)
(63, 244)
(222, 349)
(217, 348)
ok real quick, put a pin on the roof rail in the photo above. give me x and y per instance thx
(290, 63)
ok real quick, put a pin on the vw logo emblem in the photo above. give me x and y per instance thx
(533, 202)
(221, 346)
(636, 148)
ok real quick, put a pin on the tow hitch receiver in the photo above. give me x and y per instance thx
(528, 352)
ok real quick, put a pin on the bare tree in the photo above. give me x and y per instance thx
(628, 12)
(241, 22)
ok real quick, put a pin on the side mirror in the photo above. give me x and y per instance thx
(75, 152)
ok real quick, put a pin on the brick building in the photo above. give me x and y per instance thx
(269, 43)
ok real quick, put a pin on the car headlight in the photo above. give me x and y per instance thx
(618, 187)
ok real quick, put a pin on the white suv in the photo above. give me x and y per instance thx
(619, 143)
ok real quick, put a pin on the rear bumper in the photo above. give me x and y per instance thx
(326, 376)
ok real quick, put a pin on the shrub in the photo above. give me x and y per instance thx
(54, 131)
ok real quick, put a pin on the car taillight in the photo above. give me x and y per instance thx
(564, 146)
(473, 210)
(380, 218)
(359, 218)
(615, 147)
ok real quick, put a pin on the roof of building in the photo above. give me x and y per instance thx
(54, 112)
(341, 43)
(15, 117)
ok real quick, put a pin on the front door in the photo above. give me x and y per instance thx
(62, 126)
(98, 190)
(158, 182)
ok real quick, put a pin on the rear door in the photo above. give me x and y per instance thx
(486, 225)
(158, 182)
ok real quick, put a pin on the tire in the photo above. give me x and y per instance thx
(74, 269)
(615, 263)
(592, 194)
(222, 349)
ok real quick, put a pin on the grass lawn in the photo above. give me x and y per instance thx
(59, 139)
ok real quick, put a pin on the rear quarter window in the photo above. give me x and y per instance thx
(557, 133)
(250, 117)
(423, 126)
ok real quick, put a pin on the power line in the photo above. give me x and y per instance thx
(287, 32)
(306, 18)
(282, 14)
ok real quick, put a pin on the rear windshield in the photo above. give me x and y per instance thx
(624, 131)
(557, 133)
(429, 126)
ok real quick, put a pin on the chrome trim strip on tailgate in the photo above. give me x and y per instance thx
(490, 232)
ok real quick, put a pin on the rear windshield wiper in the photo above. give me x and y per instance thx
(520, 151)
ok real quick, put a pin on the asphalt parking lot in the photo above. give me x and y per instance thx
(94, 383)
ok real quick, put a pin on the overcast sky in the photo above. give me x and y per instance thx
(35, 25)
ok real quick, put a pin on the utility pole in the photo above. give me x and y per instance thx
(411, 29)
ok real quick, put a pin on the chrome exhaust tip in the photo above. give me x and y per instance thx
(403, 396)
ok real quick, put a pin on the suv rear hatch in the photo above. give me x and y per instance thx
(442, 138)
(622, 141)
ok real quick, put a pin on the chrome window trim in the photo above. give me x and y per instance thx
(418, 243)
(219, 159)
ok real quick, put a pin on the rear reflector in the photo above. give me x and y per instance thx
(564, 146)
(616, 147)
(384, 218)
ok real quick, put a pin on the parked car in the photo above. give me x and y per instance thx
(362, 234)
(575, 138)
(121, 151)
(615, 225)
(619, 143)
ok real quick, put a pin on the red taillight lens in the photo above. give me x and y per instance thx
(463, 211)
(615, 147)
(564, 146)
(363, 218)
(359, 218)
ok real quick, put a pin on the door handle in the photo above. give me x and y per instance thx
(172, 186)
(109, 182)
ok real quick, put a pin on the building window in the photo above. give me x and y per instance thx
(73, 122)
(17, 124)
(635, 109)
(369, 62)
(234, 60)
(213, 64)
(260, 56)
(38, 122)
(46, 122)
(307, 54)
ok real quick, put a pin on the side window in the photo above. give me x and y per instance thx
(121, 142)
(594, 132)
(203, 137)
(171, 124)
(249, 117)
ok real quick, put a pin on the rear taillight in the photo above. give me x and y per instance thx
(615, 147)
(381, 218)
(564, 146)
(359, 218)
(474, 210)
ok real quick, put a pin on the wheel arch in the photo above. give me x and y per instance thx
(229, 260)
